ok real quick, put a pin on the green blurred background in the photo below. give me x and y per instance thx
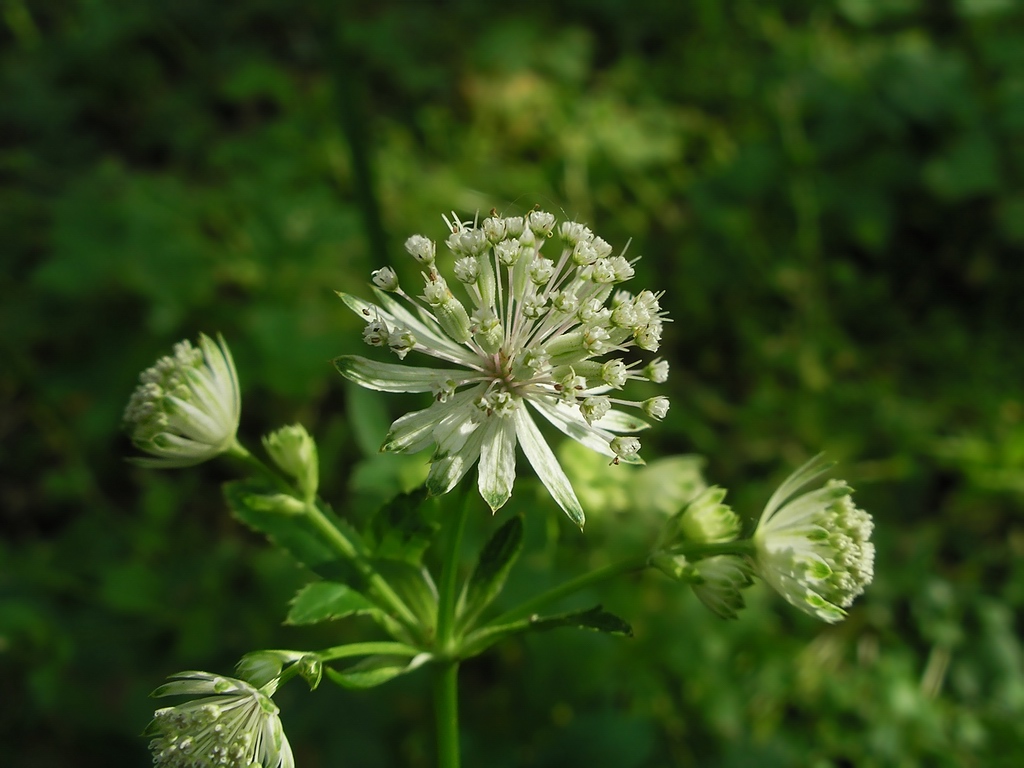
(831, 196)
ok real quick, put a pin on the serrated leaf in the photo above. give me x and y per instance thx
(376, 670)
(492, 569)
(404, 527)
(293, 533)
(326, 600)
(414, 586)
(596, 619)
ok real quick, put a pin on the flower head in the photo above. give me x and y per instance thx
(186, 407)
(815, 549)
(234, 725)
(514, 327)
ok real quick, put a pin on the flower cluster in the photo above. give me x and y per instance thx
(186, 407)
(814, 549)
(527, 328)
(234, 725)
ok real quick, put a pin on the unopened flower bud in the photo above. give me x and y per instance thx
(656, 407)
(595, 408)
(385, 279)
(294, 452)
(421, 249)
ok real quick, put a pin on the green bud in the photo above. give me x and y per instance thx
(707, 520)
(294, 452)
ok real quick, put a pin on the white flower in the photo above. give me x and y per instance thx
(525, 329)
(186, 407)
(233, 725)
(815, 549)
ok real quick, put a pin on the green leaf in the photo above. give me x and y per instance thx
(293, 533)
(596, 619)
(403, 528)
(488, 577)
(326, 600)
(376, 670)
(414, 586)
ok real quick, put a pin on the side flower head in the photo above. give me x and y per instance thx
(814, 549)
(233, 725)
(186, 408)
(513, 328)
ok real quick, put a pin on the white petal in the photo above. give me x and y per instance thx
(431, 336)
(546, 466)
(814, 468)
(390, 377)
(219, 360)
(415, 431)
(497, 471)
(194, 423)
(446, 472)
(570, 421)
(621, 422)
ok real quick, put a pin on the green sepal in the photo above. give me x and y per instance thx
(311, 669)
(376, 670)
(326, 600)
(260, 667)
(492, 569)
(596, 619)
(404, 527)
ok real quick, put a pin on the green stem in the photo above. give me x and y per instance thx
(446, 711)
(446, 682)
(449, 580)
(533, 605)
(366, 649)
(338, 540)
(633, 563)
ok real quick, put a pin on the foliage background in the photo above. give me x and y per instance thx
(831, 196)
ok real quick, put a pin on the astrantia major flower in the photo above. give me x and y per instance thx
(815, 549)
(233, 725)
(186, 407)
(514, 325)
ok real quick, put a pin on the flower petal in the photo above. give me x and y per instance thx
(570, 422)
(621, 422)
(546, 466)
(415, 431)
(814, 468)
(448, 470)
(497, 470)
(389, 377)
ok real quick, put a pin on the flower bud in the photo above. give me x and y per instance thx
(656, 407)
(656, 371)
(707, 520)
(595, 408)
(294, 452)
(187, 406)
(421, 249)
(385, 279)
(624, 447)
